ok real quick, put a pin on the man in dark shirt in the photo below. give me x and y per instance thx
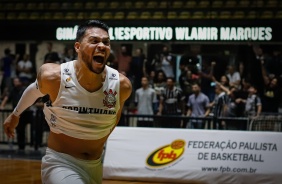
(171, 103)
(26, 117)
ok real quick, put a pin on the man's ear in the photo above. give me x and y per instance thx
(76, 46)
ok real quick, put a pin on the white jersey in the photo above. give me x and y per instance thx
(82, 114)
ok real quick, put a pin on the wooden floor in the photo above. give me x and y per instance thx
(13, 171)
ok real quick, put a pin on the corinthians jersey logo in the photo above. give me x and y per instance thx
(110, 99)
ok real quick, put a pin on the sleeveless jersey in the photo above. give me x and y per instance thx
(81, 114)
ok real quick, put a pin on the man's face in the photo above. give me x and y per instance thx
(17, 82)
(169, 83)
(273, 82)
(138, 52)
(217, 89)
(230, 69)
(123, 50)
(195, 88)
(160, 76)
(94, 49)
(223, 80)
(252, 90)
(144, 81)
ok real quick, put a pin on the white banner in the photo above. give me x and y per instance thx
(184, 155)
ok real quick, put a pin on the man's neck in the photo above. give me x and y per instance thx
(89, 80)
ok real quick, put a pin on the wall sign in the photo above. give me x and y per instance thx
(193, 156)
(178, 33)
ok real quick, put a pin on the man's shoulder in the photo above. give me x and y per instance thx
(125, 87)
(124, 80)
(50, 70)
(204, 95)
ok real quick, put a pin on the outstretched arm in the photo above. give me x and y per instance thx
(31, 94)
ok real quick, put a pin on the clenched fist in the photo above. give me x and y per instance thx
(10, 124)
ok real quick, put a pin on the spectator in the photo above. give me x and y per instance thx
(51, 56)
(233, 111)
(183, 76)
(242, 94)
(242, 71)
(171, 103)
(233, 76)
(271, 96)
(160, 83)
(112, 60)
(224, 80)
(254, 68)
(207, 85)
(138, 67)
(7, 69)
(253, 106)
(124, 60)
(24, 70)
(186, 79)
(198, 106)
(145, 98)
(25, 118)
(219, 106)
(152, 77)
(69, 54)
(232, 106)
(193, 59)
(275, 63)
(166, 62)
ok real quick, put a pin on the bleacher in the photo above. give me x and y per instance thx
(140, 10)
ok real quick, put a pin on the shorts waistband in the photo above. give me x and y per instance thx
(69, 157)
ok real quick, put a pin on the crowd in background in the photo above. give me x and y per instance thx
(243, 88)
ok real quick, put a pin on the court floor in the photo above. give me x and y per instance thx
(24, 168)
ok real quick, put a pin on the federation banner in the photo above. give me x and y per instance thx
(185, 155)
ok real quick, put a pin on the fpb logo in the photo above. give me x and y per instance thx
(166, 154)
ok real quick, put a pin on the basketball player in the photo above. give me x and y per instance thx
(86, 100)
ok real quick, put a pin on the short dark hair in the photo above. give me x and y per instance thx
(170, 78)
(196, 83)
(7, 51)
(90, 24)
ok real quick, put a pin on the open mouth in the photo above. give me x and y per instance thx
(98, 59)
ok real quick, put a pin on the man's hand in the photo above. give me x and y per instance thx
(10, 124)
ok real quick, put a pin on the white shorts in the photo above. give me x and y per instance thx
(60, 168)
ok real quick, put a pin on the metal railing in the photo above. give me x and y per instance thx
(37, 130)
(174, 121)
